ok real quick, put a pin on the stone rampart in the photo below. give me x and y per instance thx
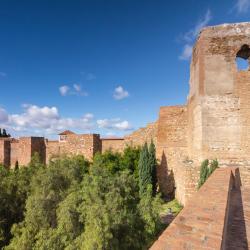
(203, 223)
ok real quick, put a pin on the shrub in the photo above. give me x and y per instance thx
(206, 170)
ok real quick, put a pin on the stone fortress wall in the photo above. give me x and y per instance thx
(20, 150)
(215, 122)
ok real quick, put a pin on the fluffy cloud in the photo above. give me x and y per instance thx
(242, 6)
(120, 93)
(187, 52)
(77, 87)
(3, 116)
(191, 35)
(115, 124)
(47, 120)
(64, 90)
(44, 120)
(75, 90)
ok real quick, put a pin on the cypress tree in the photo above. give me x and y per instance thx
(1, 133)
(144, 170)
(153, 165)
(204, 173)
(213, 165)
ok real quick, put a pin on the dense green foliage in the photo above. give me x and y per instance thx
(173, 205)
(73, 204)
(147, 169)
(206, 170)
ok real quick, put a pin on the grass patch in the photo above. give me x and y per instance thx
(175, 206)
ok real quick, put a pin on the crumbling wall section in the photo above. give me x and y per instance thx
(142, 135)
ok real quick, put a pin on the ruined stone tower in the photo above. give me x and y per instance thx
(215, 123)
(219, 98)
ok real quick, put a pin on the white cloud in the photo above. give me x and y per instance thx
(2, 74)
(44, 120)
(88, 116)
(75, 90)
(3, 115)
(191, 35)
(242, 6)
(47, 120)
(77, 87)
(187, 52)
(114, 124)
(64, 90)
(120, 93)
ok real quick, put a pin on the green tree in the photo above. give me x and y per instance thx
(71, 204)
(109, 160)
(213, 165)
(130, 159)
(153, 166)
(15, 188)
(206, 170)
(147, 168)
(112, 220)
(49, 187)
(149, 208)
(144, 171)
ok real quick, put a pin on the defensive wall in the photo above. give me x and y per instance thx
(19, 151)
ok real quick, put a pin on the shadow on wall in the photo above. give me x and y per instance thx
(235, 235)
(166, 178)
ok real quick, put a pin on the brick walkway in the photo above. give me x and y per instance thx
(217, 217)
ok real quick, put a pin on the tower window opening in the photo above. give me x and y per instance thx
(242, 58)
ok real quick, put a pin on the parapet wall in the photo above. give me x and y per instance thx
(202, 224)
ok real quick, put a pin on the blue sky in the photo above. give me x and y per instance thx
(98, 66)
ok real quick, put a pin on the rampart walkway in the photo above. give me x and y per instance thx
(217, 217)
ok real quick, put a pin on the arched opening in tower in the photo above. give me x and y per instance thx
(242, 58)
